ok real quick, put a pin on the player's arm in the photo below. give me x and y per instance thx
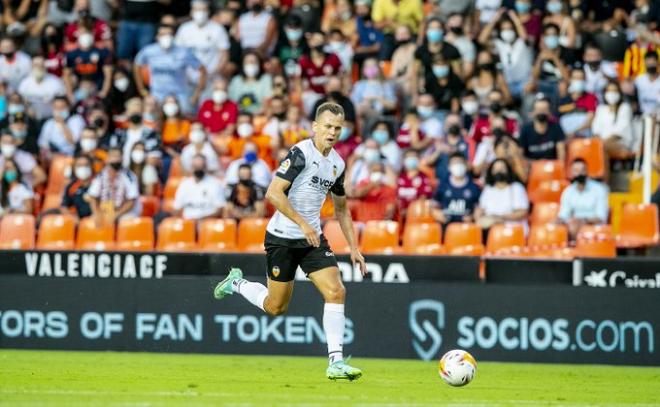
(346, 222)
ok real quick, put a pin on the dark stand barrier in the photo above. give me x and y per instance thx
(416, 320)
(521, 271)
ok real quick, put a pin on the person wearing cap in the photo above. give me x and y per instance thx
(40, 88)
(31, 173)
(260, 171)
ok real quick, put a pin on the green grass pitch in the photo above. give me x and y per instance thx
(55, 378)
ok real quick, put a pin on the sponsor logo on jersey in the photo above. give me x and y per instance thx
(284, 167)
(326, 183)
(329, 254)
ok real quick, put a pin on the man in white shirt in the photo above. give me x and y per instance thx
(201, 195)
(598, 72)
(648, 85)
(199, 144)
(207, 39)
(261, 174)
(40, 88)
(14, 65)
(61, 133)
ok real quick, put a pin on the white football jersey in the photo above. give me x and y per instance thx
(312, 176)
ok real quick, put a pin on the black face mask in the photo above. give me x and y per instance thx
(542, 118)
(318, 48)
(280, 115)
(486, 67)
(135, 118)
(257, 8)
(9, 55)
(580, 179)
(501, 177)
(498, 132)
(404, 42)
(652, 70)
(456, 30)
(496, 107)
(246, 183)
(116, 165)
(99, 122)
(199, 174)
(594, 65)
(454, 129)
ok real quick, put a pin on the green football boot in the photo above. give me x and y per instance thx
(341, 370)
(224, 287)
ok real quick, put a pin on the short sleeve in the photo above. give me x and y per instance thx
(191, 60)
(132, 187)
(292, 166)
(95, 187)
(520, 200)
(338, 187)
(141, 57)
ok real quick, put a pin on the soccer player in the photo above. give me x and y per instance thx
(293, 236)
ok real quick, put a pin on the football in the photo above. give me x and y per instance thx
(457, 367)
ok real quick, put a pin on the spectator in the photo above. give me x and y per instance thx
(291, 129)
(440, 153)
(167, 65)
(114, 192)
(75, 197)
(403, 57)
(431, 119)
(228, 17)
(87, 62)
(469, 108)
(488, 78)
(123, 89)
(444, 85)
(137, 26)
(543, 139)
(334, 92)
(175, 127)
(88, 146)
(40, 88)
(201, 195)
(485, 124)
(246, 199)
(61, 133)
(291, 47)
(577, 107)
(457, 37)
(507, 148)
(410, 134)
(218, 114)
(16, 196)
(100, 30)
(433, 44)
(136, 131)
(373, 95)
(31, 173)
(412, 183)
(257, 29)
(485, 12)
(530, 19)
(612, 122)
(370, 37)
(316, 68)
(338, 45)
(14, 65)
(648, 85)
(145, 169)
(252, 86)
(376, 195)
(457, 195)
(246, 133)
(381, 132)
(206, 38)
(387, 15)
(584, 202)
(557, 15)
(364, 157)
(259, 169)
(199, 145)
(549, 67)
(341, 18)
(598, 72)
(51, 48)
(503, 199)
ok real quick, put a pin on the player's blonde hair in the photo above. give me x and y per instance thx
(331, 107)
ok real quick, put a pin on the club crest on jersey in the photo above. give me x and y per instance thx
(276, 271)
(284, 167)
(334, 171)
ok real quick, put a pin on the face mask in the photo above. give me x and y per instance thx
(440, 71)
(652, 69)
(219, 96)
(38, 73)
(86, 40)
(336, 46)
(612, 98)
(434, 35)
(411, 163)
(500, 177)
(87, 144)
(149, 174)
(456, 30)
(577, 86)
(580, 179)
(470, 107)
(199, 174)
(293, 34)
(11, 175)
(63, 114)
(165, 41)
(250, 157)
(425, 111)
(318, 49)
(170, 109)
(13, 109)
(508, 36)
(594, 65)
(251, 70)
(454, 130)
(116, 165)
(135, 118)
(522, 7)
(345, 134)
(553, 7)
(7, 150)
(197, 136)
(376, 177)
(498, 132)
(542, 118)
(380, 136)
(99, 122)
(121, 84)
(137, 156)
(200, 17)
(371, 155)
(496, 107)
(19, 134)
(551, 41)
(9, 55)
(257, 8)
(82, 173)
(458, 170)
(370, 72)
(81, 94)
(244, 130)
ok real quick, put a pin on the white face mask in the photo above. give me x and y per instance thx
(121, 84)
(457, 170)
(170, 109)
(137, 156)
(244, 130)
(83, 173)
(371, 155)
(200, 17)
(251, 70)
(508, 36)
(376, 177)
(85, 40)
(149, 174)
(470, 107)
(197, 136)
(219, 96)
(166, 41)
(612, 98)
(87, 144)
(7, 150)
(576, 86)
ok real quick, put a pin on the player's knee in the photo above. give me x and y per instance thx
(276, 309)
(336, 294)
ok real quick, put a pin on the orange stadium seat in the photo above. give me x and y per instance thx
(548, 236)
(150, 205)
(595, 232)
(638, 226)
(505, 238)
(380, 237)
(420, 211)
(57, 232)
(548, 191)
(51, 201)
(422, 238)
(135, 234)
(595, 248)
(176, 171)
(464, 239)
(590, 150)
(58, 174)
(170, 192)
(544, 212)
(17, 232)
(93, 237)
(336, 239)
(545, 170)
(217, 235)
(251, 234)
(176, 234)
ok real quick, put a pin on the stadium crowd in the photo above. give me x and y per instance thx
(195, 103)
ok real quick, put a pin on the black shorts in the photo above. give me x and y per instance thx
(285, 255)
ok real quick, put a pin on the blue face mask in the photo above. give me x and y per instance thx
(293, 35)
(81, 94)
(553, 7)
(345, 134)
(425, 111)
(250, 157)
(411, 163)
(551, 41)
(523, 7)
(3, 107)
(13, 108)
(380, 136)
(11, 175)
(435, 35)
(440, 71)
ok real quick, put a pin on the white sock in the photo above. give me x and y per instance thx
(256, 293)
(334, 325)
